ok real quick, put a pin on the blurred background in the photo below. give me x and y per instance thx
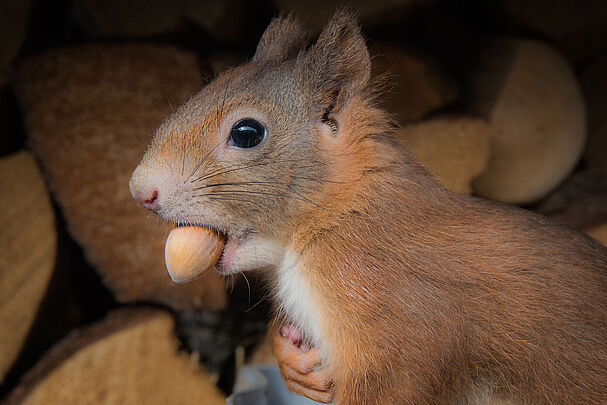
(503, 99)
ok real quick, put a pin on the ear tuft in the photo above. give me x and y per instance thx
(282, 40)
(338, 65)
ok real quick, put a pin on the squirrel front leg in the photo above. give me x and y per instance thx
(299, 364)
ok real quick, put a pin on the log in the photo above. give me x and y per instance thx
(594, 85)
(29, 243)
(314, 13)
(415, 86)
(577, 28)
(14, 16)
(454, 149)
(580, 202)
(90, 111)
(226, 20)
(130, 357)
(598, 232)
(534, 105)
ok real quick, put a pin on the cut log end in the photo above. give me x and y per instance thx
(129, 358)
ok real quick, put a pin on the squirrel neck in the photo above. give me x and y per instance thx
(381, 173)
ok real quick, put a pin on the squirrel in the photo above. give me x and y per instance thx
(409, 293)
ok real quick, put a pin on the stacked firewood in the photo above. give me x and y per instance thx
(519, 118)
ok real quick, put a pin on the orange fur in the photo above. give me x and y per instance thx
(421, 296)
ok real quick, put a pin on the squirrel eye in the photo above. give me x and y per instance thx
(247, 133)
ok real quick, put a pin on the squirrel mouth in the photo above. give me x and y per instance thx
(190, 251)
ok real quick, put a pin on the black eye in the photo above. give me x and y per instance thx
(247, 133)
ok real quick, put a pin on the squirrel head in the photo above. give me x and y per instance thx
(268, 141)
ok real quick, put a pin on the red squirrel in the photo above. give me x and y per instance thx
(409, 293)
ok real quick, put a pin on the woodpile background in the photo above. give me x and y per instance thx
(505, 99)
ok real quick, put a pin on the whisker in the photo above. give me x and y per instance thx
(224, 171)
(324, 181)
(243, 183)
(310, 201)
(249, 192)
(248, 285)
(232, 195)
(170, 104)
(203, 176)
(222, 198)
(225, 93)
(185, 143)
(257, 303)
(204, 158)
(233, 168)
(231, 280)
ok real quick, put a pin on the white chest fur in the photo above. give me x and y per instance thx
(298, 300)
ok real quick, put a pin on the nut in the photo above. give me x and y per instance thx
(190, 251)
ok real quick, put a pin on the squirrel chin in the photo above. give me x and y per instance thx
(249, 251)
(225, 264)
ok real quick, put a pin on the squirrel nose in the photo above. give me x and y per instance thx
(149, 199)
(147, 196)
(146, 193)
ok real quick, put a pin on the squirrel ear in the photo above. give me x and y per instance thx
(338, 64)
(282, 40)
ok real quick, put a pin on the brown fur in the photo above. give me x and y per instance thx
(425, 296)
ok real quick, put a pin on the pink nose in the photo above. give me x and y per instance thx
(145, 191)
(149, 199)
(147, 196)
